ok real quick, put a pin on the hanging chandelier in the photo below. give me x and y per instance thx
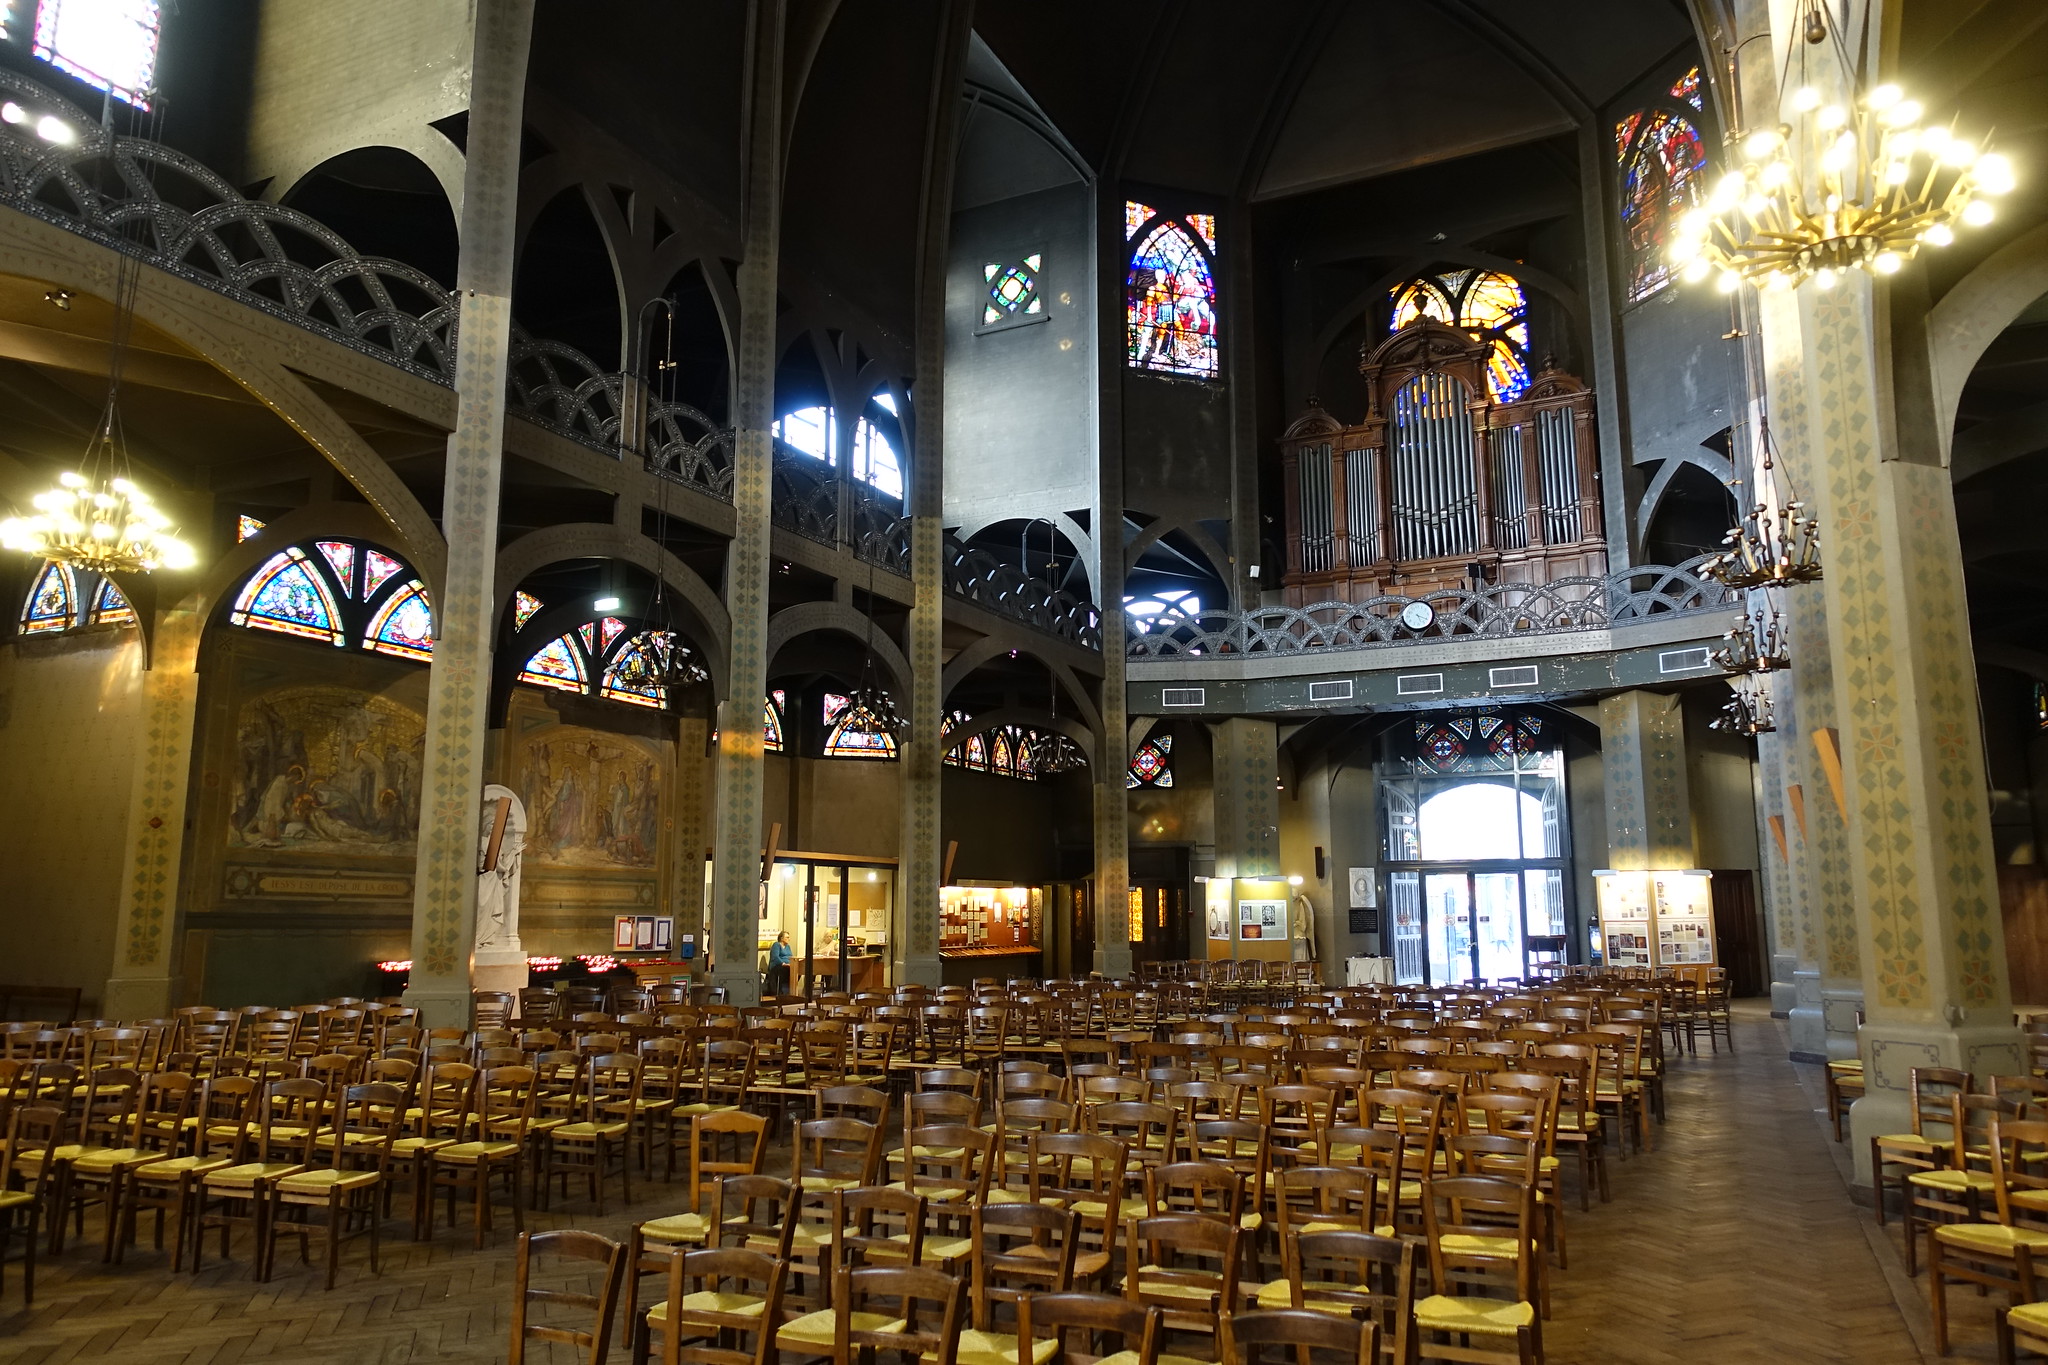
(1748, 712)
(1851, 183)
(98, 521)
(1754, 646)
(1777, 541)
(871, 711)
(660, 660)
(1055, 754)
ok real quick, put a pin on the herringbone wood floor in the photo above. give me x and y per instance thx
(1734, 1241)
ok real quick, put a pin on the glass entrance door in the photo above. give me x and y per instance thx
(1473, 926)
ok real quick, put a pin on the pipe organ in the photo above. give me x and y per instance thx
(1441, 487)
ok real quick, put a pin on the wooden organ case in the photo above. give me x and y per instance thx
(1440, 481)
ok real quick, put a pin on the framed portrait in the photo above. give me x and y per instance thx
(1365, 889)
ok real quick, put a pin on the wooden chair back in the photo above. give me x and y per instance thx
(593, 1344)
(1304, 1336)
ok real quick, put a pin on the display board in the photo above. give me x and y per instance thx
(1656, 919)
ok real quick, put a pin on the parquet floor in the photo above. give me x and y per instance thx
(1734, 1241)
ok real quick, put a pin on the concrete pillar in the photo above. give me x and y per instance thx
(1649, 803)
(1247, 771)
(736, 857)
(1912, 762)
(1828, 980)
(917, 885)
(459, 683)
(1113, 760)
(1782, 902)
(141, 981)
(692, 830)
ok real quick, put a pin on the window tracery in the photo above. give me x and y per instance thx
(1489, 305)
(1152, 765)
(340, 592)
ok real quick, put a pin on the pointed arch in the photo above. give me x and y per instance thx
(1170, 294)
(52, 603)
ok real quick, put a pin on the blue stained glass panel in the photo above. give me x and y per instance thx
(404, 625)
(288, 595)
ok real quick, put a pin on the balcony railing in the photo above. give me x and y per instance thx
(1507, 610)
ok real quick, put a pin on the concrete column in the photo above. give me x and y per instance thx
(1649, 804)
(1113, 759)
(1828, 980)
(692, 829)
(141, 982)
(917, 885)
(1919, 821)
(1247, 768)
(459, 683)
(1781, 900)
(736, 857)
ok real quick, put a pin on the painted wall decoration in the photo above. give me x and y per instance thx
(593, 800)
(326, 770)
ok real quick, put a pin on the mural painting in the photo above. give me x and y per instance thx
(592, 800)
(327, 770)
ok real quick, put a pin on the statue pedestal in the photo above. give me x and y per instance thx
(499, 969)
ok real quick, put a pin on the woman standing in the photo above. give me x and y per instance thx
(779, 957)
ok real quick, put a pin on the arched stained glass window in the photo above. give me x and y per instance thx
(1486, 303)
(1001, 757)
(1663, 161)
(52, 601)
(1687, 88)
(111, 45)
(1472, 742)
(110, 606)
(557, 664)
(404, 625)
(853, 732)
(1170, 294)
(287, 594)
(379, 569)
(246, 526)
(608, 630)
(1152, 765)
(524, 605)
(771, 720)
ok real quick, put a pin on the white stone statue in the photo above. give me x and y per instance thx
(501, 843)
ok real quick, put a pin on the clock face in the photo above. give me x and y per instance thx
(1418, 615)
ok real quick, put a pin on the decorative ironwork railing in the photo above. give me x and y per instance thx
(1007, 590)
(1506, 609)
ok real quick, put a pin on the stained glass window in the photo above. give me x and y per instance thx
(852, 732)
(1663, 162)
(975, 754)
(379, 569)
(288, 595)
(246, 526)
(619, 689)
(52, 602)
(1001, 758)
(342, 556)
(1687, 88)
(524, 605)
(404, 625)
(110, 606)
(608, 630)
(1170, 299)
(557, 664)
(771, 720)
(1487, 304)
(1151, 766)
(108, 44)
(1136, 215)
(1466, 742)
(1012, 290)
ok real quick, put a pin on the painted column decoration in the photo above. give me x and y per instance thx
(1649, 804)
(459, 684)
(917, 947)
(1246, 792)
(1919, 825)
(736, 857)
(141, 984)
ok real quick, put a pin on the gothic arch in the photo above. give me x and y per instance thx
(787, 624)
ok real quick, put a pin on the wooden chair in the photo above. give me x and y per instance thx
(1348, 1274)
(1895, 1156)
(569, 1244)
(278, 1144)
(1186, 1267)
(1995, 1255)
(1084, 1172)
(833, 1154)
(21, 1210)
(504, 1111)
(713, 1298)
(1302, 1334)
(906, 1309)
(1958, 1191)
(1481, 1237)
(359, 1152)
(600, 1137)
(1045, 1322)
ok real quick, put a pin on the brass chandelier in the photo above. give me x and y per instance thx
(1777, 541)
(1854, 182)
(1754, 646)
(1748, 712)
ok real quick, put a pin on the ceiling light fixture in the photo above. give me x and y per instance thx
(1851, 184)
(1778, 540)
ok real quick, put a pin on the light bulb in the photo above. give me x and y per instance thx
(1755, 206)
(1977, 213)
(1959, 152)
(1697, 269)
(1761, 144)
(71, 480)
(1775, 174)
(1728, 189)
(102, 531)
(1696, 223)
(1805, 98)
(50, 128)
(1834, 160)
(1884, 96)
(1887, 263)
(1728, 282)
(1938, 235)
(1933, 139)
(1896, 173)
(1825, 279)
(178, 555)
(1902, 115)
(1685, 250)
(605, 604)
(1834, 116)
(1994, 173)
(13, 112)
